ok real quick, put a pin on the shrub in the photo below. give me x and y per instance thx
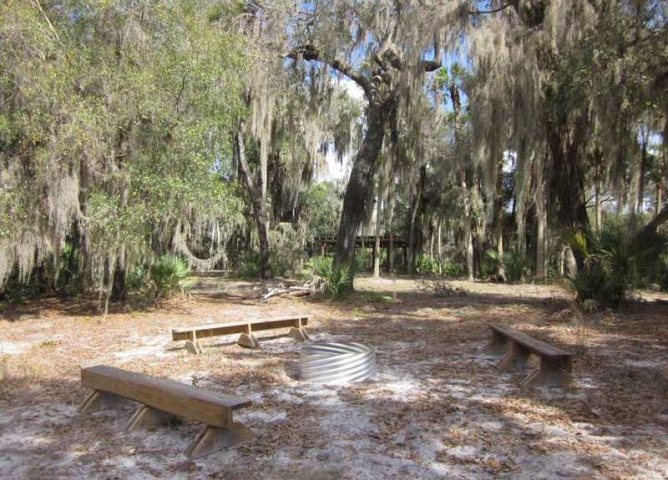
(137, 277)
(249, 265)
(286, 250)
(516, 265)
(426, 264)
(363, 260)
(333, 282)
(452, 269)
(615, 260)
(169, 274)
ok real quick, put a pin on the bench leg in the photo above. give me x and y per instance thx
(248, 340)
(99, 401)
(213, 439)
(299, 334)
(147, 417)
(497, 345)
(515, 359)
(551, 373)
(193, 347)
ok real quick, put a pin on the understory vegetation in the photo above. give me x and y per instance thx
(511, 141)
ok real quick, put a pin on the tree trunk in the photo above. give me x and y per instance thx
(376, 245)
(361, 180)
(501, 270)
(439, 246)
(119, 291)
(541, 224)
(256, 196)
(641, 175)
(597, 204)
(468, 235)
(390, 226)
(415, 210)
(568, 177)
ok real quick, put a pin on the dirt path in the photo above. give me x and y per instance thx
(436, 409)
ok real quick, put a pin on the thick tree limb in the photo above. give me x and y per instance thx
(436, 63)
(494, 10)
(311, 53)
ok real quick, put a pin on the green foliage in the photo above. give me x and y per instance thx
(170, 274)
(120, 140)
(615, 261)
(286, 250)
(334, 282)
(427, 265)
(137, 277)
(374, 297)
(363, 260)
(452, 269)
(516, 264)
(322, 208)
(248, 265)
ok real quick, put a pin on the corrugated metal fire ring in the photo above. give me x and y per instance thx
(322, 362)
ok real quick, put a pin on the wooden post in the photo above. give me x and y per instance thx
(515, 359)
(192, 346)
(497, 345)
(248, 339)
(213, 439)
(147, 417)
(100, 400)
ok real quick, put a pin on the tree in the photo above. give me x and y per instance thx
(383, 47)
(112, 121)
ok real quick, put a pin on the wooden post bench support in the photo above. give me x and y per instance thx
(164, 401)
(212, 439)
(147, 417)
(246, 329)
(551, 366)
(99, 400)
(248, 340)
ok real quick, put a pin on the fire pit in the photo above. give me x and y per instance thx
(322, 362)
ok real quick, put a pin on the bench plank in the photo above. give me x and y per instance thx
(533, 344)
(169, 396)
(555, 366)
(214, 330)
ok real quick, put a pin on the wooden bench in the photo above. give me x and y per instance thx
(555, 367)
(164, 401)
(296, 324)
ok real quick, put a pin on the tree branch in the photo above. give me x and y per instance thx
(494, 10)
(435, 64)
(311, 53)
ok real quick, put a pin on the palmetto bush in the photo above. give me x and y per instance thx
(516, 264)
(332, 281)
(615, 260)
(170, 274)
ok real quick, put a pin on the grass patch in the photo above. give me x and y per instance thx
(15, 372)
(373, 297)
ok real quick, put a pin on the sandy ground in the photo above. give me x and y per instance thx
(437, 407)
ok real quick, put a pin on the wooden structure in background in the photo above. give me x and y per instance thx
(364, 241)
(555, 367)
(163, 401)
(296, 323)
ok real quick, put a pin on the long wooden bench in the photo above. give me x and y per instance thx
(164, 401)
(296, 324)
(555, 367)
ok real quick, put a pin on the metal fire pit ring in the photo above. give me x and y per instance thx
(323, 362)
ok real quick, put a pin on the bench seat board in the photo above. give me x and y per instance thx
(169, 396)
(535, 345)
(215, 330)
